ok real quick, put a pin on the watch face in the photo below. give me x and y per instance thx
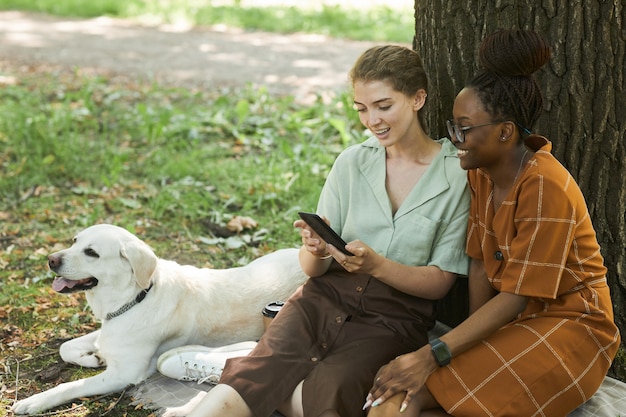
(441, 352)
(441, 355)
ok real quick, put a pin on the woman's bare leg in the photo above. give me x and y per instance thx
(293, 407)
(222, 400)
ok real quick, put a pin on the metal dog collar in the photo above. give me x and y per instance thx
(123, 309)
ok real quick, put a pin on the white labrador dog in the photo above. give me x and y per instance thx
(149, 305)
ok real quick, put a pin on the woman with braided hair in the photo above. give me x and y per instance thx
(540, 337)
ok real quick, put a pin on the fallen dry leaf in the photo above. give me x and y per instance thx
(239, 223)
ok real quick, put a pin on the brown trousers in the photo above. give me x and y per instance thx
(334, 333)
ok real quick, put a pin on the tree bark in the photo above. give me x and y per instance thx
(584, 97)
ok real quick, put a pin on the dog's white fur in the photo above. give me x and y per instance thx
(186, 305)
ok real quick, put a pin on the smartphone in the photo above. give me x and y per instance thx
(325, 231)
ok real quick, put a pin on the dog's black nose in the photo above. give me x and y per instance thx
(54, 261)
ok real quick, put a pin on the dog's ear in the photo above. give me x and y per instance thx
(142, 260)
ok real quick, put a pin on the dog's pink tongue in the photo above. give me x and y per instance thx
(60, 283)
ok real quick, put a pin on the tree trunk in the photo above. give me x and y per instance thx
(584, 97)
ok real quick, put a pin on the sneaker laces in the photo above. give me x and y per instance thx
(201, 374)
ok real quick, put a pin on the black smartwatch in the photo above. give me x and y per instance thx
(440, 352)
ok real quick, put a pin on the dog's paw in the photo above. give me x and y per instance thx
(28, 406)
(93, 360)
(184, 409)
(176, 411)
(89, 359)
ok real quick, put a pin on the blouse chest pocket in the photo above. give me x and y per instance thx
(414, 238)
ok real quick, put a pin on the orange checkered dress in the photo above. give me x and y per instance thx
(540, 243)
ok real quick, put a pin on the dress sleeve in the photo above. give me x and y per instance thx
(545, 220)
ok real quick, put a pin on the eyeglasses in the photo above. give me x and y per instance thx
(458, 132)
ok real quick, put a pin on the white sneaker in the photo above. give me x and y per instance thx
(200, 363)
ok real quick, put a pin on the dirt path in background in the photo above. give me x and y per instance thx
(301, 65)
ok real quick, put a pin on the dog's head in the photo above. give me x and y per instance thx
(102, 255)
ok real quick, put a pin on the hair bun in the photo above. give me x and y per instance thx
(513, 52)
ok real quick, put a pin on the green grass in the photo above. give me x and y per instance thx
(103, 152)
(171, 165)
(380, 23)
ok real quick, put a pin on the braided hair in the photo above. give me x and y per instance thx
(505, 84)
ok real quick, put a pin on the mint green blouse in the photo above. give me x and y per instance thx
(430, 226)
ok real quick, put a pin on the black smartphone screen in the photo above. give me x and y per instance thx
(325, 231)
